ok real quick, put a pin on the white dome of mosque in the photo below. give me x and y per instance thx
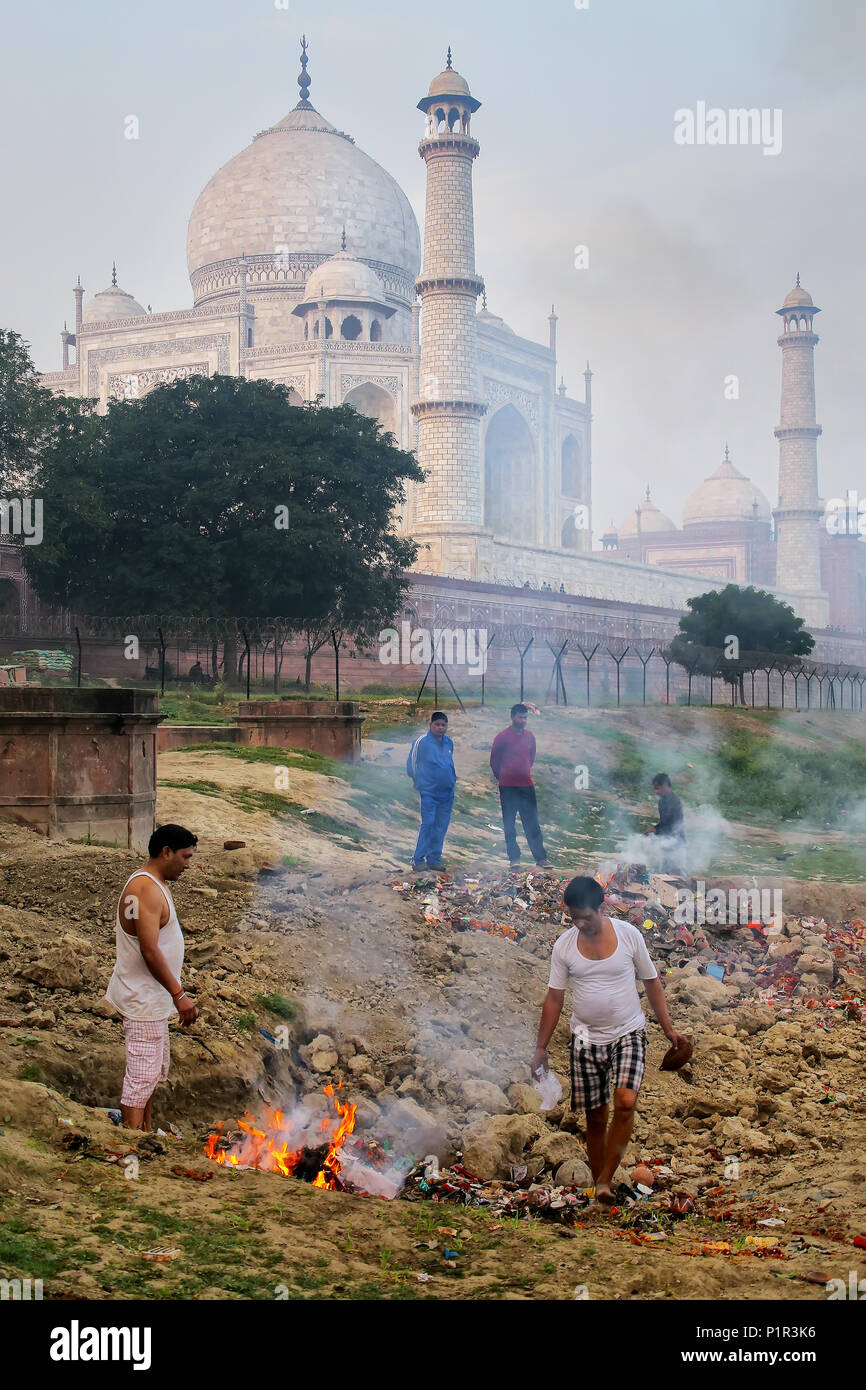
(344, 277)
(651, 520)
(112, 303)
(798, 298)
(726, 495)
(449, 83)
(293, 190)
(494, 321)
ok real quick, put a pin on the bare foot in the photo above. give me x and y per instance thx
(603, 1195)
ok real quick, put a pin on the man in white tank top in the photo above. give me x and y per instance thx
(145, 986)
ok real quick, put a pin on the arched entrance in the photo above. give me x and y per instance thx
(375, 401)
(509, 476)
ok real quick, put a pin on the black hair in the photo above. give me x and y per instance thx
(583, 892)
(173, 837)
(661, 779)
(437, 714)
(518, 709)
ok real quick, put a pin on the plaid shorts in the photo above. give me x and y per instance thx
(595, 1065)
(147, 1059)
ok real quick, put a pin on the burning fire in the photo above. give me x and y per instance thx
(275, 1147)
(604, 879)
(331, 1166)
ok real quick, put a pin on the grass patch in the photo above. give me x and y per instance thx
(248, 799)
(277, 1004)
(766, 779)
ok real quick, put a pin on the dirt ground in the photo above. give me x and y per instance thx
(430, 1028)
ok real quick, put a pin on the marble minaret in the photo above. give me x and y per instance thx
(448, 515)
(799, 514)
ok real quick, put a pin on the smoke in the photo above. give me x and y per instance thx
(706, 832)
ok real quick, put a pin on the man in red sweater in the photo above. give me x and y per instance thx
(511, 757)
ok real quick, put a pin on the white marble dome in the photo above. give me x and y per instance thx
(113, 303)
(292, 191)
(726, 495)
(651, 520)
(344, 277)
(494, 321)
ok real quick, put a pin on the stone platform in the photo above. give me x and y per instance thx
(80, 764)
(331, 727)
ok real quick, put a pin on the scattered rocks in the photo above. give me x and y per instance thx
(574, 1172)
(524, 1099)
(484, 1095)
(491, 1147)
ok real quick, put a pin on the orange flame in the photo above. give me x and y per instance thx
(326, 1177)
(264, 1145)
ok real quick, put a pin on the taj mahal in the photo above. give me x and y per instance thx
(307, 268)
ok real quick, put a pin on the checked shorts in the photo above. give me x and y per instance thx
(147, 1059)
(594, 1066)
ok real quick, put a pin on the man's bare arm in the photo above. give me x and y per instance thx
(656, 996)
(147, 920)
(550, 1012)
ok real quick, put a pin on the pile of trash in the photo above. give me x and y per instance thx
(782, 959)
(647, 1204)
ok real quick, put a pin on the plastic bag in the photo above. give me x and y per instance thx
(548, 1089)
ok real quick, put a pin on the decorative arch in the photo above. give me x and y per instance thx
(374, 401)
(350, 329)
(509, 476)
(571, 469)
(375, 331)
(294, 397)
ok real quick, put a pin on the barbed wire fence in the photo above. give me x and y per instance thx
(574, 665)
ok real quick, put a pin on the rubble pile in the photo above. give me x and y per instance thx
(791, 957)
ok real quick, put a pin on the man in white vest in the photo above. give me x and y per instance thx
(145, 986)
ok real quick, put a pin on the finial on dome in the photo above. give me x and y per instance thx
(484, 299)
(648, 498)
(304, 77)
(727, 452)
(798, 279)
(343, 239)
(114, 273)
(448, 63)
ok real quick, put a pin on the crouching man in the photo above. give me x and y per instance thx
(145, 986)
(601, 956)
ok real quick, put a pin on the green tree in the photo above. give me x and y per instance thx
(761, 625)
(214, 497)
(26, 414)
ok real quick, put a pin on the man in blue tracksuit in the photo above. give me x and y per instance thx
(430, 764)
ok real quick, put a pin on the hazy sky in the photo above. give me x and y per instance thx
(691, 249)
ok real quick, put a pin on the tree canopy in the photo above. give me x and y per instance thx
(27, 414)
(733, 630)
(216, 498)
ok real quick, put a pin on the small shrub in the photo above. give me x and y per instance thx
(277, 1004)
